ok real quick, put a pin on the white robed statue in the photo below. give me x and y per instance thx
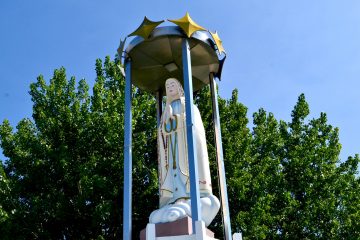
(174, 179)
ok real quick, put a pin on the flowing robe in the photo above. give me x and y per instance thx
(174, 177)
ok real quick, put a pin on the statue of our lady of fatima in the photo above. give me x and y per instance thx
(174, 179)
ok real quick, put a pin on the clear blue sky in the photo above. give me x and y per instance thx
(276, 50)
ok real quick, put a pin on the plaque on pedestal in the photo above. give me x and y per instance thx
(181, 227)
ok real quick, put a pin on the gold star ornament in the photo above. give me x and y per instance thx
(146, 28)
(218, 42)
(121, 47)
(187, 25)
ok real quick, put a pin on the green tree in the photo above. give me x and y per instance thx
(3, 195)
(297, 188)
(63, 175)
(65, 167)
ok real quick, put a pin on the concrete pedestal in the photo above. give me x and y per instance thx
(178, 230)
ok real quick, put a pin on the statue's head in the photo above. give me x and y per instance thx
(173, 89)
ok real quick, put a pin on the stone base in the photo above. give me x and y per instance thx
(180, 228)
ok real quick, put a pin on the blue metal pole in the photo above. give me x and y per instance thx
(220, 161)
(127, 219)
(159, 97)
(192, 156)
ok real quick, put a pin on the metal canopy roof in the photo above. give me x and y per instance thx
(160, 57)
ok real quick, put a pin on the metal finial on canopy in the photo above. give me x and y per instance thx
(187, 24)
(146, 27)
(218, 42)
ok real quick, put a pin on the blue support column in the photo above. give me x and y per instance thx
(127, 218)
(220, 161)
(192, 156)
(159, 97)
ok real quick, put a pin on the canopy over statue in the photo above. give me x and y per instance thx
(157, 55)
(161, 60)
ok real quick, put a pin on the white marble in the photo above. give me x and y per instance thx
(174, 179)
(237, 236)
(150, 232)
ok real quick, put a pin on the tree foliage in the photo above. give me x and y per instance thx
(63, 175)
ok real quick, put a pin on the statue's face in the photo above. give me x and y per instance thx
(172, 90)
